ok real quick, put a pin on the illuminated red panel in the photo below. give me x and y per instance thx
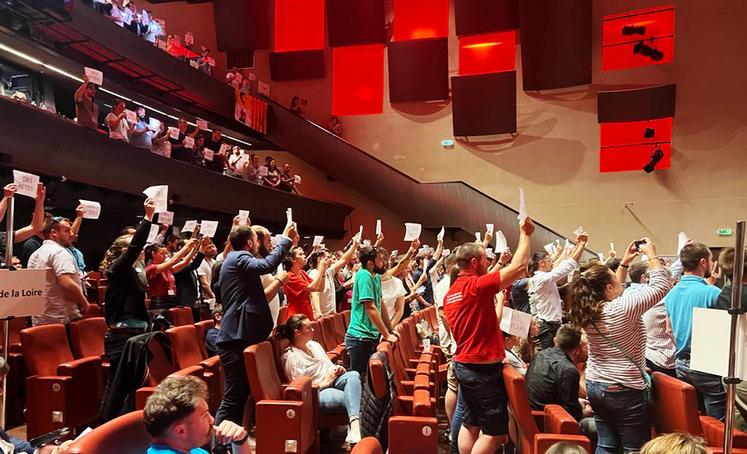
(614, 134)
(490, 53)
(653, 27)
(633, 157)
(358, 80)
(418, 19)
(299, 25)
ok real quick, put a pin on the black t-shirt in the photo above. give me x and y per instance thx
(29, 247)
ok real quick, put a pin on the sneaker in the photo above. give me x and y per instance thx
(354, 436)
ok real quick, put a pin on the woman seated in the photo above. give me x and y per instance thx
(338, 389)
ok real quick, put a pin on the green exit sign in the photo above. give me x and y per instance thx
(723, 232)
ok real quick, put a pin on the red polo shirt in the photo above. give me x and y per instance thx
(469, 306)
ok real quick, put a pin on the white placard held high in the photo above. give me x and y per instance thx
(515, 323)
(94, 76)
(612, 246)
(153, 233)
(189, 226)
(550, 248)
(578, 231)
(160, 195)
(682, 240)
(297, 179)
(412, 231)
(243, 216)
(189, 142)
(489, 253)
(500, 242)
(130, 116)
(173, 133)
(209, 228)
(317, 240)
(91, 209)
(26, 183)
(208, 154)
(478, 237)
(154, 124)
(202, 124)
(440, 236)
(490, 228)
(22, 292)
(289, 216)
(522, 207)
(166, 218)
(378, 227)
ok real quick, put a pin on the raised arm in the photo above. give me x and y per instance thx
(176, 258)
(397, 269)
(347, 256)
(79, 211)
(37, 220)
(636, 303)
(513, 270)
(126, 260)
(78, 96)
(8, 192)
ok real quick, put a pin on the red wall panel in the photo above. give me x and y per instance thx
(418, 19)
(358, 80)
(617, 48)
(299, 25)
(614, 134)
(634, 157)
(489, 53)
(624, 148)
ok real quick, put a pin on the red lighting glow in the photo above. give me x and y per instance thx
(299, 25)
(419, 19)
(489, 53)
(358, 80)
(624, 146)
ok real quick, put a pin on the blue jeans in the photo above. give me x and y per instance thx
(456, 422)
(621, 416)
(359, 350)
(345, 394)
(710, 389)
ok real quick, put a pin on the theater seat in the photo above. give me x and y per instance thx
(202, 329)
(60, 391)
(181, 316)
(413, 435)
(369, 445)
(186, 352)
(676, 410)
(523, 428)
(125, 434)
(87, 336)
(94, 310)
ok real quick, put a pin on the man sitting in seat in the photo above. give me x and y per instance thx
(176, 415)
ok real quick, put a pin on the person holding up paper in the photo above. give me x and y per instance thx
(161, 144)
(475, 326)
(272, 178)
(246, 314)
(29, 231)
(423, 264)
(178, 150)
(690, 292)
(300, 285)
(86, 109)
(116, 120)
(160, 271)
(324, 300)
(141, 135)
(274, 281)
(616, 381)
(542, 288)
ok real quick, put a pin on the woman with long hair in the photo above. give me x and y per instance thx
(616, 381)
(160, 271)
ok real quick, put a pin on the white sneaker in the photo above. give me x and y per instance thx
(354, 436)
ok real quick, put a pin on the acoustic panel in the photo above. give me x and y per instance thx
(636, 105)
(306, 64)
(242, 24)
(474, 17)
(240, 59)
(355, 22)
(358, 80)
(484, 104)
(407, 80)
(491, 53)
(420, 19)
(555, 43)
(299, 25)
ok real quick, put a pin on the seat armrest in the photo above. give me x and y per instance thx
(413, 434)
(542, 442)
(283, 426)
(87, 373)
(141, 396)
(421, 403)
(211, 364)
(422, 381)
(558, 421)
(378, 378)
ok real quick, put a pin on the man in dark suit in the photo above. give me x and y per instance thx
(246, 314)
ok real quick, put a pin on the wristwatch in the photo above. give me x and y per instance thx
(242, 441)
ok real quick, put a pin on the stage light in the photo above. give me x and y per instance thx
(656, 156)
(649, 133)
(648, 51)
(629, 30)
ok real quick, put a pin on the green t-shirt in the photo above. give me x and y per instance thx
(365, 287)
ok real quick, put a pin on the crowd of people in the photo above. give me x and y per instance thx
(597, 325)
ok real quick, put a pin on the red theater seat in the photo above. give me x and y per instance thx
(87, 337)
(181, 316)
(369, 445)
(202, 329)
(186, 352)
(125, 434)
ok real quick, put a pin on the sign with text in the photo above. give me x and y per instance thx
(94, 76)
(91, 209)
(166, 218)
(22, 292)
(26, 183)
(160, 195)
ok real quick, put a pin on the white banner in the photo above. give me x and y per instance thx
(26, 182)
(92, 210)
(23, 292)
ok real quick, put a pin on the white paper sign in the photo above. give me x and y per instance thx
(317, 240)
(189, 142)
(174, 133)
(478, 237)
(209, 228)
(91, 209)
(297, 179)
(682, 240)
(412, 231)
(489, 253)
(160, 195)
(578, 231)
(289, 216)
(155, 124)
(446, 252)
(395, 252)
(22, 292)
(522, 207)
(94, 76)
(243, 216)
(601, 256)
(550, 248)
(166, 218)
(263, 170)
(189, 226)
(378, 227)
(567, 244)
(515, 323)
(208, 154)
(710, 342)
(360, 231)
(194, 64)
(501, 245)
(202, 124)
(153, 233)
(131, 116)
(490, 228)
(26, 183)
(366, 243)
(440, 236)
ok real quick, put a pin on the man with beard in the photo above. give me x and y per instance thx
(366, 318)
(246, 315)
(65, 300)
(272, 283)
(693, 291)
(141, 136)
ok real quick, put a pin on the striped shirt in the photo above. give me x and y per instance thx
(621, 321)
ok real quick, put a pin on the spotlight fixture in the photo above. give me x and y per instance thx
(648, 133)
(656, 156)
(648, 51)
(629, 30)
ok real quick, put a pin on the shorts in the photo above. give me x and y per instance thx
(481, 387)
(451, 381)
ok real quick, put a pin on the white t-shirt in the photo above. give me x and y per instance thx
(118, 16)
(327, 302)
(274, 303)
(119, 132)
(444, 336)
(391, 289)
(298, 363)
(59, 261)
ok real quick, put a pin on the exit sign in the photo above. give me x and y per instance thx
(723, 232)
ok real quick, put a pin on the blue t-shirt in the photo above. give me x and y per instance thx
(689, 293)
(163, 449)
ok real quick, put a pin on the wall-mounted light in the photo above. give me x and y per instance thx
(649, 133)
(656, 156)
(648, 51)
(629, 30)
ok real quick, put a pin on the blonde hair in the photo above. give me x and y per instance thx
(678, 442)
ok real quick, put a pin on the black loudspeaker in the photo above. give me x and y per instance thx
(474, 17)
(555, 43)
(242, 24)
(636, 105)
(484, 104)
(418, 70)
(240, 59)
(355, 22)
(303, 64)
